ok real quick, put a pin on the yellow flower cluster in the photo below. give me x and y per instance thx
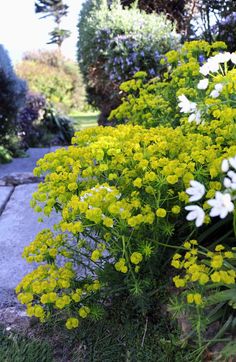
(154, 103)
(49, 286)
(119, 191)
(200, 268)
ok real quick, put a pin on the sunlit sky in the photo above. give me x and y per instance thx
(22, 30)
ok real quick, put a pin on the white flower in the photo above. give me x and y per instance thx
(185, 104)
(204, 69)
(203, 84)
(219, 87)
(196, 213)
(222, 57)
(221, 205)
(225, 165)
(232, 175)
(192, 117)
(214, 94)
(227, 182)
(213, 65)
(196, 191)
(233, 58)
(232, 161)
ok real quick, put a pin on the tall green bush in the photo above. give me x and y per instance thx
(12, 97)
(114, 43)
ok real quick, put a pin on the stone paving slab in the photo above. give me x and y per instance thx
(25, 164)
(18, 227)
(5, 193)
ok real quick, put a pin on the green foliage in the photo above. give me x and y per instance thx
(39, 124)
(14, 347)
(12, 98)
(57, 78)
(114, 43)
(154, 102)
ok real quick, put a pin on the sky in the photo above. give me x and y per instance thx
(22, 30)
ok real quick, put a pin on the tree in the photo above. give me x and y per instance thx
(12, 98)
(56, 9)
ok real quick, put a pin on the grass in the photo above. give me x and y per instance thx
(16, 348)
(84, 120)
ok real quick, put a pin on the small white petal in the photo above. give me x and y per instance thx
(219, 87)
(198, 117)
(214, 94)
(204, 69)
(213, 65)
(222, 57)
(196, 213)
(225, 165)
(203, 84)
(227, 182)
(221, 205)
(192, 117)
(233, 58)
(232, 175)
(196, 191)
(232, 161)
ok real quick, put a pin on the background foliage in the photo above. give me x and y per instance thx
(114, 43)
(55, 77)
(12, 98)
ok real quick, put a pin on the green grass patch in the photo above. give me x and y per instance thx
(16, 348)
(82, 120)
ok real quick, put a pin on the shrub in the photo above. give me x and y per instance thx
(12, 97)
(114, 43)
(40, 125)
(154, 102)
(224, 30)
(57, 78)
(129, 201)
(121, 196)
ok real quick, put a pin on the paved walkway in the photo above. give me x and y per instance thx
(18, 222)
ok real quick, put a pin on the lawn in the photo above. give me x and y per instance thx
(84, 120)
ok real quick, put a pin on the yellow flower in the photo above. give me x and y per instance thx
(204, 278)
(179, 282)
(137, 182)
(72, 323)
(176, 264)
(190, 298)
(229, 255)
(219, 247)
(187, 245)
(161, 212)
(84, 311)
(176, 209)
(198, 299)
(108, 222)
(172, 179)
(96, 255)
(136, 258)
(215, 277)
(217, 261)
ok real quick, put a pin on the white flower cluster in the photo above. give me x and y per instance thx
(222, 204)
(186, 106)
(213, 63)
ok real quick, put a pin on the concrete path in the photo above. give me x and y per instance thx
(18, 222)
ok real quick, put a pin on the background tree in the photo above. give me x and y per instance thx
(57, 78)
(56, 9)
(12, 97)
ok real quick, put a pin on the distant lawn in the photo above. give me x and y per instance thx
(84, 120)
